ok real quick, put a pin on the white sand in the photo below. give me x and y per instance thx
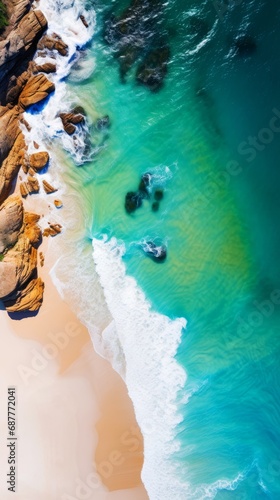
(74, 415)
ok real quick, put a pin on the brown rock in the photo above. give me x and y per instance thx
(25, 123)
(42, 259)
(28, 298)
(23, 187)
(38, 161)
(36, 89)
(69, 120)
(8, 278)
(33, 185)
(32, 230)
(47, 67)
(24, 30)
(83, 19)
(14, 159)
(58, 203)
(36, 145)
(53, 230)
(53, 42)
(11, 219)
(48, 187)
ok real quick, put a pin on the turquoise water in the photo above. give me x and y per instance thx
(218, 219)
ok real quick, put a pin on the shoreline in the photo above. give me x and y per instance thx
(75, 421)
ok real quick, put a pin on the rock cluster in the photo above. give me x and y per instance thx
(134, 199)
(53, 42)
(22, 84)
(20, 288)
(137, 38)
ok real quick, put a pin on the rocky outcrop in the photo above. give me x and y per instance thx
(25, 28)
(29, 298)
(20, 235)
(20, 289)
(14, 159)
(152, 71)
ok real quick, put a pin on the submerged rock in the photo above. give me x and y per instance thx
(244, 45)
(103, 122)
(132, 32)
(152, 71)
(155, 206)
(158, 194)
(156, 252)
(133, 201)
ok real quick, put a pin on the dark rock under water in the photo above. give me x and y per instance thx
(133, 200)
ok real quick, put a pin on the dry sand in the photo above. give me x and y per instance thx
(77, 434)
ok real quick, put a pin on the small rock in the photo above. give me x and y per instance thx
(42, 259)
(84, 21)
(36, 145)
(53, 230)
(47, 68)
(155, 206)
(58, 203)
(23, 187)
(33, 185)
(48, 188)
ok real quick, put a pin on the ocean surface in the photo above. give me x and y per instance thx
(196, 335)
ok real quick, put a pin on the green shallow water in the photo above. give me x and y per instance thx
(222, 231)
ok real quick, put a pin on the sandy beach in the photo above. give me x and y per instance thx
(77, 434)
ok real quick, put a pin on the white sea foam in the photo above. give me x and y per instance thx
(63, 19)
(143, 345)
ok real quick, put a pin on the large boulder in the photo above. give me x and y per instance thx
(39, 160)
(25, 30)
(36, 89)
(11, 219)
